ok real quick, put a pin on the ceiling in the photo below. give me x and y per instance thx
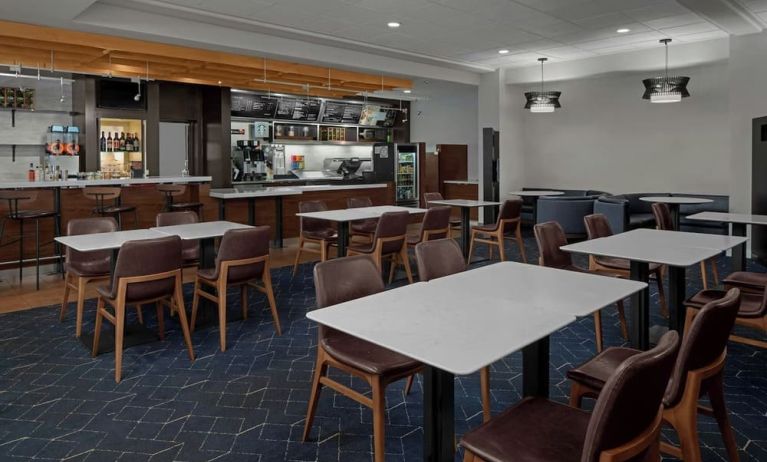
(451, 34)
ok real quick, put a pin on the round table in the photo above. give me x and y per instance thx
(535, 194)
(673, 204)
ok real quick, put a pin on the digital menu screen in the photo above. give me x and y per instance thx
(374, 115)
(250, 105)
(285, 108)
(341, 113)
(307, 110)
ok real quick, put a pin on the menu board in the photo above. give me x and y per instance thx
(285, 108)
(307, 110)
(251, 105)
(341, 113)
(376, 116)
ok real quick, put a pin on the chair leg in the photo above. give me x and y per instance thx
(298, 255)
(406, 263)
(222, 314)
(409, 384)
(469, 456)
(520, 243)
(716, 398)
(704, 275)
(379, 418)
(37, 254)
(65, 298)
(661, 293)
(267, 280)
(97, 327)
(119, 333)
(471, 249)
(622, 318)
(577, 392)
(140, 314)
(598, 329)
(484, 385)
(195, 303)
(714, 270)
(392, 268)
(501, 247)
(687, 428)
(244, 300)
(319, 371)
(178, 301)
(81, 283)
(21, 251)
(160, 320)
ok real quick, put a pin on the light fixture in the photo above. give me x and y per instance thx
(542, 101)
(407, 91)
(666, 89)
(393, 24)
(503, 52)
(623, 30)
(61, 85)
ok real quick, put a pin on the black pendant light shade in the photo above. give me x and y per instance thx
(666, 89)
(542, 101)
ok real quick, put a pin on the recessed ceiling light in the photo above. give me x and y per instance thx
(393, 24)
(623, 30)
(503, 52)
(407, 91)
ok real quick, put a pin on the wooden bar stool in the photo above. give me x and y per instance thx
(20, 216)
(314, 231)
(171, 192)
(104, 194)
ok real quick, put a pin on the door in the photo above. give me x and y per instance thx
(174, 147)
(759, 187)
(452, 163)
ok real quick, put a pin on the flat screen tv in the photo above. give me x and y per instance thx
(119, 94)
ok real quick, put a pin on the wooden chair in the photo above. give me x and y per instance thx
(337, 281)
(441, 258)
(314, 231)
(105, 194)
(243, 259)
(82, 268)
(173, 191)
(494, 235)
(361, 228)
(597, 226)
(435, 225)
(389, 242)
(625, 424)
(455, 223)
(147, 271)
(698, 371)
(190, 249)
(550, 237)
(664, 222)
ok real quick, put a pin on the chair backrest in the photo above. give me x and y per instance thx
(511, 209)
(313, 224)
(435, 219)
(597, 226)
(630, 400)
(102, 193)
(704, 342)
(343, 279)
(550, 237)
(14, 196)
(97, 261)
(392, 224)
(662, 214)
(242, 244)
(357, 202)
(172, 189)
(431, 196)
(190, 249)
(147, 257)
(439, 258)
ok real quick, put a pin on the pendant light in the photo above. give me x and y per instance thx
(542, 101)
(666, 89)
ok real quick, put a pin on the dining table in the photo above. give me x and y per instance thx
(738, 222)
(674, 203)
(465, 205)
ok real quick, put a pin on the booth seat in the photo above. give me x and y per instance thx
(568, 211)
(527, 204)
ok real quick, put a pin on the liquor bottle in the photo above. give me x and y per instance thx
(185, 171)
(122, 141)
(129, 142)
(136, 142)
(31, 172)
(103, 142)
(110, 144)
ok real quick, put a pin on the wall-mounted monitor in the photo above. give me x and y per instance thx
(120, 94)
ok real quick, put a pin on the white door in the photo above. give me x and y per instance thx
(174, 149)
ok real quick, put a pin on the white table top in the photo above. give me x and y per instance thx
(673, 248)
(676, 199)
(745, 218)
(463, 203)
(111, 182)
(450, 325)
(534, 193)
(202, 230)
(106, 241)
(244, 193)
(461, 181)
(360, 213)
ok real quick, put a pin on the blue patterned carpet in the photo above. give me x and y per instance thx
(249, 403)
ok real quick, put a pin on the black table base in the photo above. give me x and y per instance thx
(535, 368)
(677, 292)
(438, 415)
(343, 237)
(739, 251)
(640, 307)
(134, 335)
(465, 230)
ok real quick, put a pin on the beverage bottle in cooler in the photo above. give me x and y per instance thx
(103, 142)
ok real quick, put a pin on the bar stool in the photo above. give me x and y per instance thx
(109, 193)
(172, 191)
(13, 198)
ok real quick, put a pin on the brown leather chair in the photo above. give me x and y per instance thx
(455, 223)
(389, 241)
(550, 237)
(751, 314)
(314, 231)
(597, 226)
(190, 249)
(80, 268)
(337, 281)
(625, 424)
(20, 216)
(664, 222)
(147, 271)
(435, 225)
(698, 371)
(509, 219)
(103, 195)
(243, 258)
(747, 281)
(173, 191)
(441, 258)
(363, 228)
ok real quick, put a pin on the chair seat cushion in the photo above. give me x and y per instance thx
(207, 273)
(535, 430)
(455, 223)
(365, 356)
(185, 205)
(750, 303)
(328, 234)
(361, 247)
(641, 220)
(90, 269)
(485, 228)
(595, 372)
(117, 209)
(33, 214)
(747, 280)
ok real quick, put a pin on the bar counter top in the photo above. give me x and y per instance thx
(242, 192)
(110, 182)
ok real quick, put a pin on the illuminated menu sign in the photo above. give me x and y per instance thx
(251, 105)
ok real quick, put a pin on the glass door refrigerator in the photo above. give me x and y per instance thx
(406, 177)
(121, 146)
